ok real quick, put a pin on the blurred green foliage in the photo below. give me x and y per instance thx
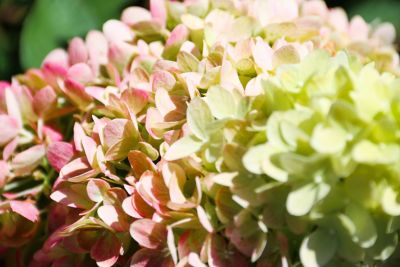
(29, 29)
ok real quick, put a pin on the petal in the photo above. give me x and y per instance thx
(149, 234)
(106, 250)
(133, 15)
(59, 154)
(25, 162)
(10, 129)
(77, 51)
(25, 209)
(96, 189)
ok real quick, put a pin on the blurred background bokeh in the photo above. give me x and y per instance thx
(29, 29)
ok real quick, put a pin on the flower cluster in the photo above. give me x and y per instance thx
(207, 133)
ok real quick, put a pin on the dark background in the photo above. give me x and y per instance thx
(29, 29)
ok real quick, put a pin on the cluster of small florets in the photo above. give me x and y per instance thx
(207, 133)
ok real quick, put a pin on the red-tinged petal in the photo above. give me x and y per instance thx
(153, 117)
(162, 79)
(10, 129)
(220, 254)
(13, 108)
(79, 133)
(140, 163)
(81, 73)
(77, 170)
(4, 172)
(59, 154)
(150, 258)
(113, 217)
(77, 51)
(158, 11)
(149, 234)
(153, 186)
(25, 101)
(57, 57)
(119, 130)
(53, 134)
(178, 36)
(129, 209)
(120, 54)
(133, 15)
(25, 162)
(90, 149)
(135, 99)
(98, 49)
(25, 209)
(96, 189)
(72, 195)
(76, 93)
(10, 148)
(174, 176)
(97, 93)
(141, 206)
(117, 31)
(106, 250)
(44, 100)
(191, 241)
(204, 220)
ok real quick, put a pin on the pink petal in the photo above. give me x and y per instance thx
(90, 149)
(135, 99)
(150, 258)
(359, 29)
(59, 154)
(25, 209)
(113, 217)
(71, 195)
(98, 49)
(315, 8)
(44, 100)
(4, 173)
(79, 133)
(158, 11)
(75, 91)
(25, 162)
(57, 57)
(149, 234)
(178, 35)
(13, 108)
(133, 15)
(96, 189)
(10, 148)
(81, 73)
(117, 31)
(54, 135)
(77, 170)
(77, 51)
(10, 129)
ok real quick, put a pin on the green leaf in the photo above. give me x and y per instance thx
(52, 22)
(318, 248)
(199, 117)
